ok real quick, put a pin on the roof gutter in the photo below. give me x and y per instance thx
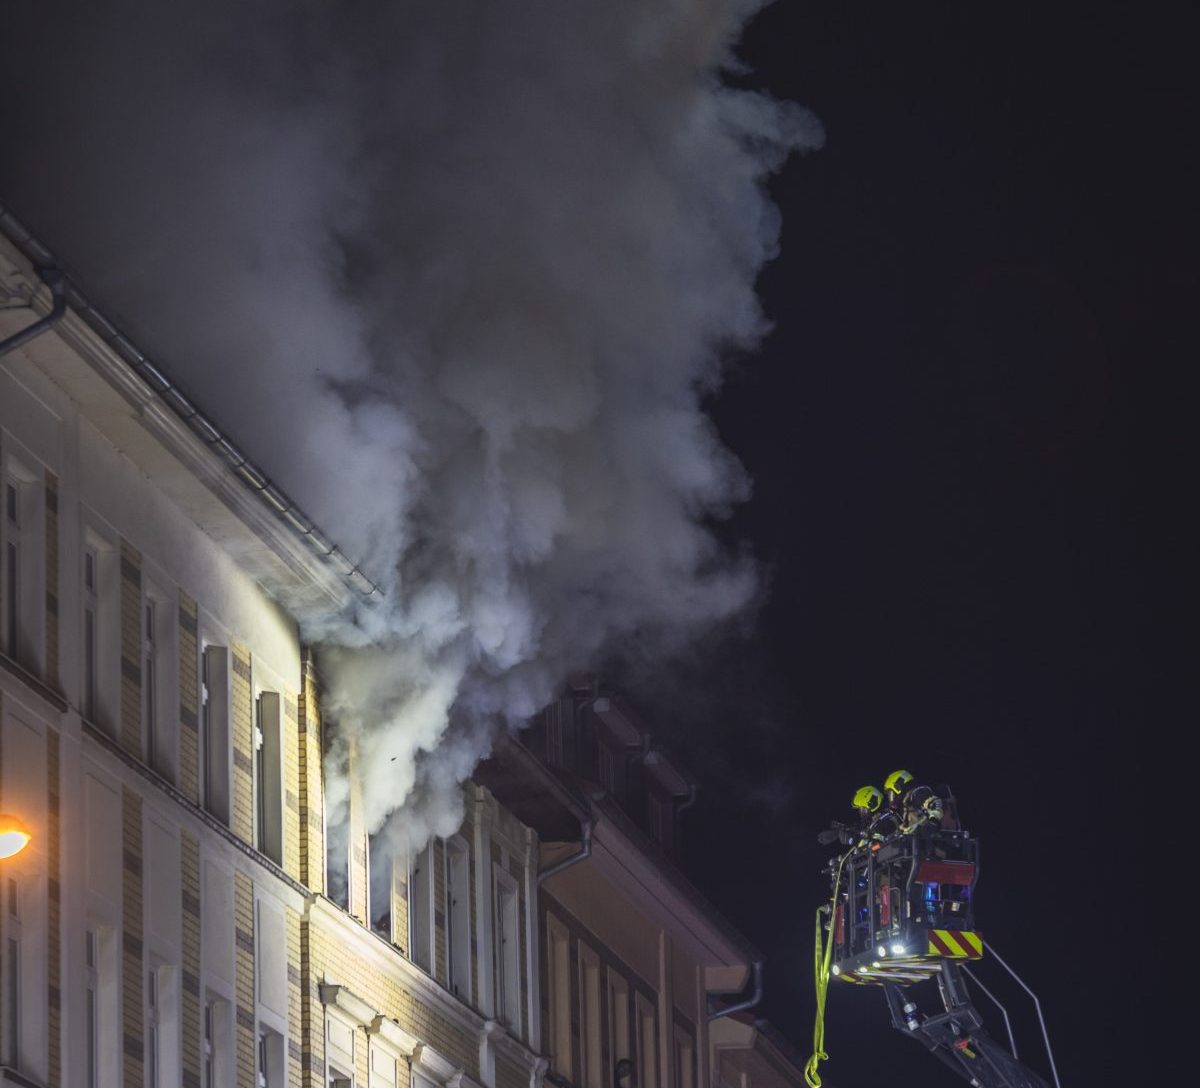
(57, 282)
(749, 1003)
(582, 854)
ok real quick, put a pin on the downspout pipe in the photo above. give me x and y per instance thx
(582, 854)
(57, 283)
(750, 1002)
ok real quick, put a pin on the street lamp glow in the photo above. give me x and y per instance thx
(14, 836)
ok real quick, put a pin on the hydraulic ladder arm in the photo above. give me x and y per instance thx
(956, 1037)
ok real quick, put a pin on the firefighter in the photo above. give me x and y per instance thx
(867, 802)
(912, 803)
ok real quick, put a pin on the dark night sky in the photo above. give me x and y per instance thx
(967, 439)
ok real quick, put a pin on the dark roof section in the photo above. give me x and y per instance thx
(252, 478)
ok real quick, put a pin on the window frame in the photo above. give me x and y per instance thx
(458, 917)
(507, 946)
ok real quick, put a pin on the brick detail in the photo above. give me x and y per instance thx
(312, 1033)
(190, 907)
(243, 928)
(131, 649)
(53, 911)
(132, 997)
(52, 558)
(242, 738)
(312, 816)
(295, 970)
(331, 958)
(189, 691)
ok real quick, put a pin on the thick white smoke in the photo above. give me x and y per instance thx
(459, 276)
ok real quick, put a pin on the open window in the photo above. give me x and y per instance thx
(458, 916)
(268, 775)
(420, 907)
(22, 564)
(215, 749)
(508, 952)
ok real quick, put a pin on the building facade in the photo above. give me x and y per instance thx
(180, 916)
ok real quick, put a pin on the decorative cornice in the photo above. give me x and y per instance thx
(337, 995)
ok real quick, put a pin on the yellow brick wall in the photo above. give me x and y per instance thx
(243, 931)
(190, 875)
(312, 838)
(241, 732)
(51, 505)
(189, 690)
(291, 786)
(131, 649)
(53, 912)
(131, 962)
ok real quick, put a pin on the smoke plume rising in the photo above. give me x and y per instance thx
(459, 276)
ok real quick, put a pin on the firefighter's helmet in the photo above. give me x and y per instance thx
(897, 782)
(868, 799)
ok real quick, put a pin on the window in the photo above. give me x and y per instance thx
(91, 613)
(209, 1046)
(458, 916)
(618, 1007)
(647, 1044)
(91, 1008)
(13, 558)
(558, 975)
(270, 1059)
(589, 1019)
(214, 729)
(379, 884)
(508, 959)
(12, 973)
(22, 562)
(268, 776)
(150, 683)
(217, 1043)
(382, 1069)
(420, 893)
(152, 1053)
(684, 1059)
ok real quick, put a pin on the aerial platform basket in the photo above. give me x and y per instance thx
(905, 906)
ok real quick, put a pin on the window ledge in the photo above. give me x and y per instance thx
(11, 1076)
(54, 698)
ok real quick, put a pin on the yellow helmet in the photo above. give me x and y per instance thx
(868, 799)
(897, 781)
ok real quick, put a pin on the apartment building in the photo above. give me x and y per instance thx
(643, 982)
(182, 915)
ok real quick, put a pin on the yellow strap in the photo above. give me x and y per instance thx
(822, 957)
